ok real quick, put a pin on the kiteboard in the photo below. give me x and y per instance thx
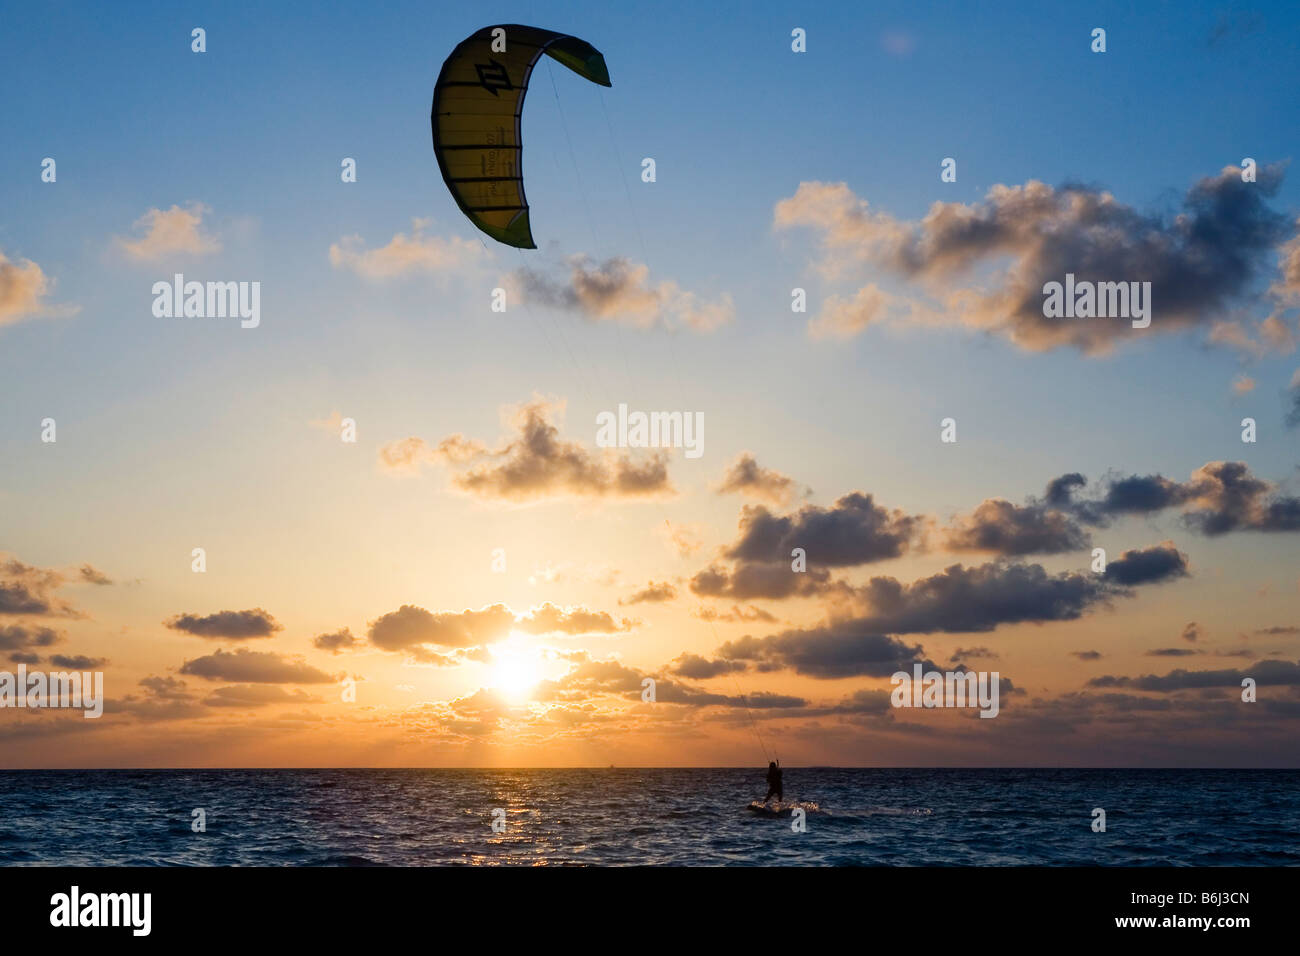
(782, 809)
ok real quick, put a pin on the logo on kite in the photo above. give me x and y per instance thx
(476, 121)
(492, 75)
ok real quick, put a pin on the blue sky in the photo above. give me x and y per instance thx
(255, 128)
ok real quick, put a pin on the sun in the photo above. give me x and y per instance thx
(515, 671)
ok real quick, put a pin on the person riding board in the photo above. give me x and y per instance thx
(773, 782)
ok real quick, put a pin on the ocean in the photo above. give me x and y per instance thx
(674, 817)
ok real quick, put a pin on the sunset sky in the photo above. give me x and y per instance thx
(476, 430)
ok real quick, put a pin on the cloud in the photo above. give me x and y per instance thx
(1276, 336)
(1200, 262)
(1264, 673)
(536, 463)
(17, 637)
(165, 698)
(876, 703)
(590, 676)
(685, 539)
(619, 290)
(234, 625)
(169, 232)
(254, 667)
(736, 614)
(77, 662)
(29, 590)
(1293, 396)
(412, 628)
(1060, 490)
(335, 642)
(843, 318)
(1141, 494)
(165, 688)
(1086, 655)
(960, 599)
(406, 254)
(853, 531)
(551, 619)
(1172, 652)
(255, 695)
(1000, 527)
(694, 667)
(1223, 496)
(1162, 562)
(90, 575)
(1192, 632)
(1286, 287)
(753, 579)
(1220, 496)
(422, 634)
(1255, 337)
(745, 476)
(406, 455)
(652, 593)
(550, 574)
(843, 649)
(23, 287)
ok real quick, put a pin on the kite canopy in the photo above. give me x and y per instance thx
(477, 103)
